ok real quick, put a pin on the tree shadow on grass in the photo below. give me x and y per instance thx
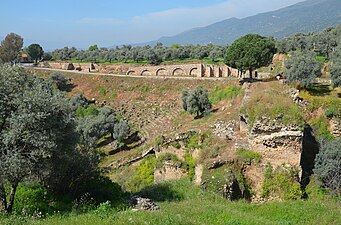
(319, 89)
(161, 193)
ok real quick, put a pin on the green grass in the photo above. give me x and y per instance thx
(281, 182)
(102, 91)
(187, 204)
(247, 156)
(271, 100)
(321, 127)
(229, 92)
(323, 96)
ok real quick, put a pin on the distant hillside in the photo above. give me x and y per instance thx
(307, 16)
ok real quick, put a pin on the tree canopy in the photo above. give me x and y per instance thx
(250, 52)
(38, 138)
(196, 102)
(35, 51)
(328, 165)
(302, 68)
(10, 47)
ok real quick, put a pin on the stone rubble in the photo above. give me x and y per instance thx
(139, 203)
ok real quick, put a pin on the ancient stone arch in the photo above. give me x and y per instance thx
(178, 72)
(193, 72)
(131, 72)
(161, 72)
(146, 73)
(209, 71)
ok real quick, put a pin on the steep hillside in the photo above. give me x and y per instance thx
(307, 16)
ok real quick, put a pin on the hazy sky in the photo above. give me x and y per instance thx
(80, 23)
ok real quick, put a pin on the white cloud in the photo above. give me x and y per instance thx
(112, 31)
(170, 22)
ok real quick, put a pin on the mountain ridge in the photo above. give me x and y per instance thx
(306, 16)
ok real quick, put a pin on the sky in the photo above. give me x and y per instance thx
(81, 23)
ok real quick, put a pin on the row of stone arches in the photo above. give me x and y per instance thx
(178, 72)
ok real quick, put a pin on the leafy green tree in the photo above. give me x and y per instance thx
(35, 51)
(250, 52)
(302, 68)
(47, 56)
(36, 125)
(197, 102)
(328, 165)
(184, 98)
(59, 81)
(335, 74)
(77, 101)
(93, 48)
(121, 130)
(95, 123)
(10, 47)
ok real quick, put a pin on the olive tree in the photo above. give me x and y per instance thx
(92, 127)
(328, 165)
(335, 74)
(35, 126)
(59, 81)
(197, 102)
(302, 68)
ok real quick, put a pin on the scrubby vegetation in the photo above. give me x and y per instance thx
(273, 103)
(281, 181)
(57, 157)
(229, 92)
(247, 156)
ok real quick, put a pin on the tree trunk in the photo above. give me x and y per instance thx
(250, 73)
(3, 201)
(11, 198)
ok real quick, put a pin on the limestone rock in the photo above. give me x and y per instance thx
(170, 170)
(225, 129)
(139, 203)
(277, 142)
(335, 127)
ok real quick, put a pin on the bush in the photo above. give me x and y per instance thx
(191, 165)
(281, 182)
(32, 199)
(90, 110)
(144, 175)
(59, 81)
(193, 142)
(328, 165)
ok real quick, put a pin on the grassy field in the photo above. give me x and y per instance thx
(183, 203)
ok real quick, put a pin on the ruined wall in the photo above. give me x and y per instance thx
(182, 70)
(187, 70)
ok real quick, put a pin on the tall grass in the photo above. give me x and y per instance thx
(229, 92)
(183, 203)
